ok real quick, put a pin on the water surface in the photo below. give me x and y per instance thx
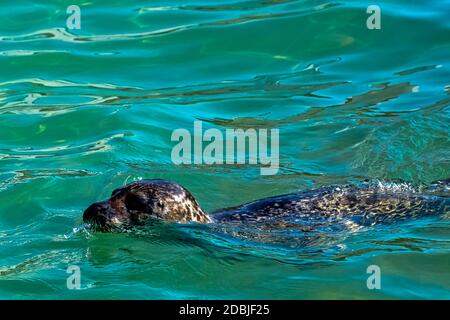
(85, 111)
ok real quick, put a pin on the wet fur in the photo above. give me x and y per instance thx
(366, 204)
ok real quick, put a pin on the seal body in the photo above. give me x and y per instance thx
(365, 204)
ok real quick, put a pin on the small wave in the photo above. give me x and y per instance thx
(392, 187)
(418, 69)
(65, 83)
(62, 34)
(101, 145)
(48, 260)
(21, 176)
(84, 228)
(22, 53)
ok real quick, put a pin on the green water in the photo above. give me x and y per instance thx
(85, 111)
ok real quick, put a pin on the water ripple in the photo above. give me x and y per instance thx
(62, 34)
(101, 145)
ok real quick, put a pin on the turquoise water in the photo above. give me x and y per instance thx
(85, 111)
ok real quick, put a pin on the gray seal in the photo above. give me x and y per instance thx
(366, 203)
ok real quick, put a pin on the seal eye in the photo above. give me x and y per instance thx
(135, 203)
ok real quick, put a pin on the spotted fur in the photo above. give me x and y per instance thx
(140, 201)
(366, 204)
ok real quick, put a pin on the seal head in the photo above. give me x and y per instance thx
(140, 201)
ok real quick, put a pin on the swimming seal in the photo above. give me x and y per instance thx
(366, 203)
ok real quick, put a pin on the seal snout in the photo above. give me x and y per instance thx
(96, 213)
